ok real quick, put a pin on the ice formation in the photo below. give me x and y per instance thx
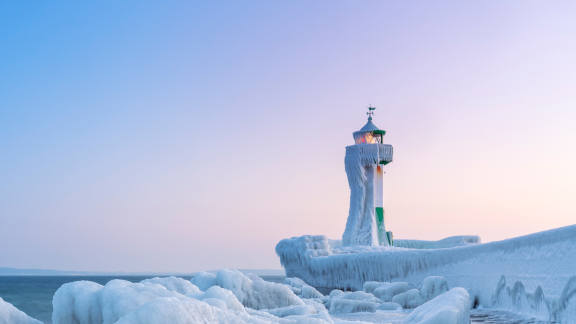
(409, 299)
(12, 315)
(228, 296)
(452, 307)
(361, 164)
(546, 260)
(252, 291)
(515, 298)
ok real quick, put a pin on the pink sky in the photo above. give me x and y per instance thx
(174, 137)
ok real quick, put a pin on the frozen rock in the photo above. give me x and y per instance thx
(351, 302)
(343, 305)
(452, 307)
(389, 306)
(409, 299)
(204, 280)
(12, 315)
(302, 289)
(433, 286)
(310, 292)
(256, 293)
(222, 297)
(389, 290)
(175, 310)
(292, 310)
(370, 286)
(77, 302)
(178, 285)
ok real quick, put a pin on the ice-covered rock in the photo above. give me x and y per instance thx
(388, 306)
(178, 285)
(370, 286)
(433, 286)
(222, 298)
(388, 290)
(256, 293)
(204, 280)
(343, 305)
(302, 289)
(9, 314)
(351, 302)
(77, 302)
(174, 300)
(409, 299)
(178, 310)
(452, 307)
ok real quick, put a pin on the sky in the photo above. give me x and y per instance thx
(195, 135)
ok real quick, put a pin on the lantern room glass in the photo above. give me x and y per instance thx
(368, 138)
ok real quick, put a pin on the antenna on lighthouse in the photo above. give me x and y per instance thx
(370, 112)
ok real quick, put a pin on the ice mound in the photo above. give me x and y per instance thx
(252, 291)
(178, 285)
(12, 315)
(452, 307)
(235, 298)
(352, 302)
(386, 291)
(409, 299)
(302, 289)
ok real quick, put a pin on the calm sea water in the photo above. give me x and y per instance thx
(33, 295)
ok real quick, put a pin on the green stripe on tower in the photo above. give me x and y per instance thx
(380, 225)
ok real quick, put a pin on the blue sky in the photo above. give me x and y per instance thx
(187, 135)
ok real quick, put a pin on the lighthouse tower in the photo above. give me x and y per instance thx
(365, 161)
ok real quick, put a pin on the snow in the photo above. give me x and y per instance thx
(452, 307)
(12, 315)
(360, 163)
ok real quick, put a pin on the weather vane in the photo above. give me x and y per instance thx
(370, 112)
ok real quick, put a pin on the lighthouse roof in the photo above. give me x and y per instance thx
(370, 127)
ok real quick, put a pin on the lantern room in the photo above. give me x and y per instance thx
(370, 133)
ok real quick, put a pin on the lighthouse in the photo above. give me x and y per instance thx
(364, 162)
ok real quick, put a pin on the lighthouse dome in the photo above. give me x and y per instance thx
(369, 134)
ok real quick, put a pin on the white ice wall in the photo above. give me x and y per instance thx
(546, 260)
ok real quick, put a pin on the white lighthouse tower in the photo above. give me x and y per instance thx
(365, 161)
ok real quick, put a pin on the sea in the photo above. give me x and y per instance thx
(33, 295)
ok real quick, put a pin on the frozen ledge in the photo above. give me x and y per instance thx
(544, 259)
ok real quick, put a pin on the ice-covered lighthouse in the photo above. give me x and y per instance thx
(365, 161)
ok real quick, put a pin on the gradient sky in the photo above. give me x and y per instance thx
(189, 135)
